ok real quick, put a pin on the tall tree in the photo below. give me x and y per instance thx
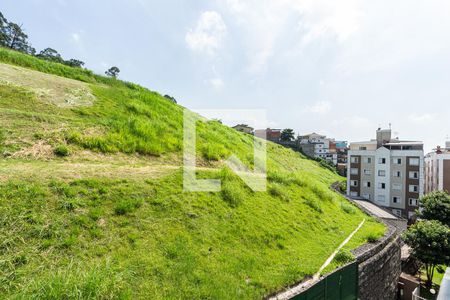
(50, 54)
(430, 243)
(287, 135)
(13, 37)
(113, 72)
(436, 206)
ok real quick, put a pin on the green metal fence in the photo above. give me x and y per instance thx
(339, 285)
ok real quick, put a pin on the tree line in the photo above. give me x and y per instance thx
(13, 36)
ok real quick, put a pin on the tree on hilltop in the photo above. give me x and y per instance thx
(287, 135)
(12, 36)
(113, 72)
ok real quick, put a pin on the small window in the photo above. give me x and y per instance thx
(381, 198)
(414, 161)
(354, 171)
(366, 196)
(397, 174)
(367, 172)
(362, 148)
(413, 188)
(397, 212)
(412, 201)
(354, 160)
(382, 173)
(368, 160)
(354, 194)
(382, 161)
(382, 185)
(396, 200)
(397, 161)
(367, 184)
(413, 175)
(354, 182)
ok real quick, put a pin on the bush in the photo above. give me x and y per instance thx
(343, 257)
(348, 208)
(372, 237)
(127, 206)
(232, 194)
(314, 205)
(61, 151)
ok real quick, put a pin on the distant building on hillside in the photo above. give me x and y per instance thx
(273, 135)
(388, 172)
(318, 146)
(244, 128)
(437, 169)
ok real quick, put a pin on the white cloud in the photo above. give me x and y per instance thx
(217, 82)
(321, 107)
(208, 34)
(422, 118)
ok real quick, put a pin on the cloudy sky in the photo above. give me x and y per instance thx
(341, 68)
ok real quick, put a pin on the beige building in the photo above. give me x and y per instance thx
(437, 170)
(388, 172)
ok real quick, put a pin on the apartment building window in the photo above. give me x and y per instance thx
(396, 200)
(397, 186)
(362, 148)
(367, 172)
(413, 175)
(412, 201)
(382, 173)
(381, 198)
(366, 196)
(367, 184)
(354, 160)
(354, 194)
(397, 161)
(414, 161)
(354, 182)
(382, 185)
(368, 160)
(382, 160)
(397, 174)
(397, 212)
(354, 171)
(413, 188)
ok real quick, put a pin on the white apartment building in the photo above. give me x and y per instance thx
(316, 145)
(388, 172)
(437, 170)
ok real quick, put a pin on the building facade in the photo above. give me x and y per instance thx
(388, 172)
(273, 135)
(437, 170)
(318, 146)
(244, 128)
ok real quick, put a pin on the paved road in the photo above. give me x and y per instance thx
(377, 211)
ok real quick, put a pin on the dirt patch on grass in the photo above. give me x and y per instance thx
(38, 150)
(60, 91)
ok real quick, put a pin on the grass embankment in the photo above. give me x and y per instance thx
(92, 206)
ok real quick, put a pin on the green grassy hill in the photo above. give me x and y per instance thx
(92, 205)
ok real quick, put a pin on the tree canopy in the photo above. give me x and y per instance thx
(287, 135)
(12, 36)
(430, 243)
(436, 206)
(113, 72)
(51, 55)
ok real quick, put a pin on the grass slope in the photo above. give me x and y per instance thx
(111, 220)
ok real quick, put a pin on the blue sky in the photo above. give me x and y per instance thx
(341, 68)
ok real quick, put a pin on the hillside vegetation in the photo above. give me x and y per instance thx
(92, 202)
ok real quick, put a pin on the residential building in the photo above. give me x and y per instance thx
(437, 170)
(388, 172)
(269, 134)
(244, 128)
(318, 146)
